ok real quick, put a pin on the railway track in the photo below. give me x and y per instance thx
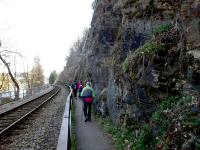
(13, 117)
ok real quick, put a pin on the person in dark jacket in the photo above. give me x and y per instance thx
(87, 96)
(74, 88)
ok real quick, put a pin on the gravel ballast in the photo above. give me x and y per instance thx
(41, 131)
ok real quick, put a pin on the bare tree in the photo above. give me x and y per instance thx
(37, 76)
(11, 76)
(71, 68)
(3, 54)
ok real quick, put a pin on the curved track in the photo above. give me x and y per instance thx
(11, 118)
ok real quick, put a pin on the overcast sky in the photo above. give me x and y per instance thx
(44, 28)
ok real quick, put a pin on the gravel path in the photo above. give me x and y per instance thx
(89, 135)
(42, 130)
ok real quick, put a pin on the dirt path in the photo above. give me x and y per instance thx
(89, 135)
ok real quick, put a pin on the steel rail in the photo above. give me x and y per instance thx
(12, 109)
(12, 125)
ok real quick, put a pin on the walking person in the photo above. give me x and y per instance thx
(74, 87)
(80, 88)
(87, 96)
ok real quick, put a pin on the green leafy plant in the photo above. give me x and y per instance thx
(151, 48)
(122, 136)
(162, 29)
(146, 138)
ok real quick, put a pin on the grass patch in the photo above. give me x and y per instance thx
(151, 48)
(162, 29)
(146, 140)
(122, 136)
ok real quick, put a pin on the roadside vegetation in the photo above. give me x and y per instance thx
(175, 118)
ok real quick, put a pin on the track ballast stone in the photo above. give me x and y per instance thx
(42, 129)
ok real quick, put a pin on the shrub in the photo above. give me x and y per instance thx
(162, 29)
(146, 137)
(151, 48)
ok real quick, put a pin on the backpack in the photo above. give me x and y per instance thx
(87, 93)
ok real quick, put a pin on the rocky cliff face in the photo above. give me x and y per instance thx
(140, 52)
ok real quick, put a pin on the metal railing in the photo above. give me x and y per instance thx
(24, 93)
(64, 140)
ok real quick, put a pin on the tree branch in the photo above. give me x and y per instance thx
(7, 51)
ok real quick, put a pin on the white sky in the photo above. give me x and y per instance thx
(44, 28)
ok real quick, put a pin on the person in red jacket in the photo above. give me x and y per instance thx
(88, 96)
(80, 87)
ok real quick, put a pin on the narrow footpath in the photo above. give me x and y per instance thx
(89, 135)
